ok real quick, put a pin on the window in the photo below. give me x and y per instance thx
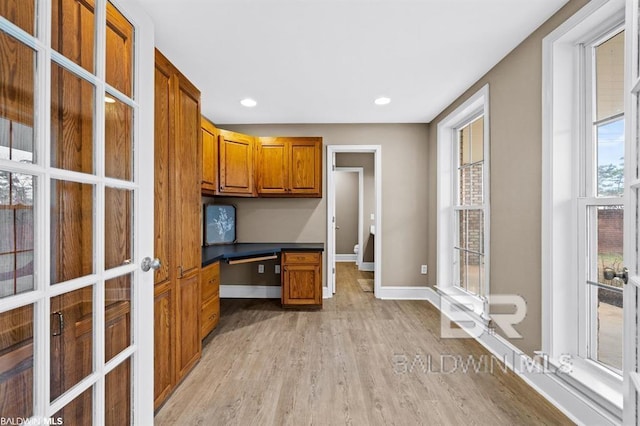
(469, 210)
(601, 203)
(463, 202)
(582, 203)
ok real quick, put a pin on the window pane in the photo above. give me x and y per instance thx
(610, 77)
(471, 180)
(475, 273)
(118, 139)
(16, 233)
(71, 340)
(610, 143)
(16, 363)
(118, 222)
(72, 108)
(117, 315)
(73, 31)
(477, 140)
(465, 143)
(605, 306)
(20, 12)
(461, 256)
(72, 211)
(119, 51)
(78, 412)
(471, 230)
(18, 66)
(118, 395)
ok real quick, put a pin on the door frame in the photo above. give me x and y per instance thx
(360, 172)
(332, 150)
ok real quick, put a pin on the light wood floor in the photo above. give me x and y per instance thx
(345, 364)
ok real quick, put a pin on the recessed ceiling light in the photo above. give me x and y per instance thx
(382, 101)
(248, 102)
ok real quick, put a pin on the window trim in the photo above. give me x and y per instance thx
(563, 127)
(472, 108)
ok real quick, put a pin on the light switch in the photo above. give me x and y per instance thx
(373, 217)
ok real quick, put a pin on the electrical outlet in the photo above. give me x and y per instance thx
(261, 269)
(277, 269)
(373, 217)
(423, 269)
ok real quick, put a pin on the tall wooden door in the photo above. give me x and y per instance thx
(73, 178)
(187, 222)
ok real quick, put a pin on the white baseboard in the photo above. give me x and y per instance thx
(402, 293)
(578, 407)
(250, 292)
(367, 266)
(346, 257)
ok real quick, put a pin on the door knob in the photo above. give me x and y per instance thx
(610, 274)
(148, 263)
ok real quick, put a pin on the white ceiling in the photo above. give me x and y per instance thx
(325, 61)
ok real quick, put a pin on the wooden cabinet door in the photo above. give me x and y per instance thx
(305, 166)
(209, 183)
(164, 277)
(164, 343)
(189, 345)
(302, 279)
(272, 167)
(187, 178)
(236, 164)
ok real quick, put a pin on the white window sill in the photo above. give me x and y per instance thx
(598, 383)
(470, 303)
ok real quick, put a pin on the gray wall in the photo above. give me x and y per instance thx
(515, 96)
(404, 196)
(347, 214)
(367, 162)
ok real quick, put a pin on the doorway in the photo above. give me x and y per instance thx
(363, 253)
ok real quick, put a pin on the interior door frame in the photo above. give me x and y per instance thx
(332, 150)
(360, 172)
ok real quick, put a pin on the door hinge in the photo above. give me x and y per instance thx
(333, 167)
(334, 270)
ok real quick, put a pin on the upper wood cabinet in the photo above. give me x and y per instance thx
(209, 157)
(289, 166)
(236, 164)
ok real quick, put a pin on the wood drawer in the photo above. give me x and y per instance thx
(301, 257)
(210, 316)
(210, 281)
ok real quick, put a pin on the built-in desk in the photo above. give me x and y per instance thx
(301, 266)
(237, 251)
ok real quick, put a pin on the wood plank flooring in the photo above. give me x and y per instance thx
(358, 361)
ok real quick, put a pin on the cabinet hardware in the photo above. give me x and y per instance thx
(60, 324)
(180, 272)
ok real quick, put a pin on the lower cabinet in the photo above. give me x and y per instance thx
(302, 279)
(210, 288)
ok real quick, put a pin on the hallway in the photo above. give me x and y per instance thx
(359, 361)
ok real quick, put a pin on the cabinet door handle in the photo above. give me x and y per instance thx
(60, 324)
(180, 273)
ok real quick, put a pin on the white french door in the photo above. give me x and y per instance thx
(76, 212)
(631, 220)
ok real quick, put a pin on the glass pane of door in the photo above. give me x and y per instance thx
(71, 340)
(119, 51)
(16, 363)
(73, 31)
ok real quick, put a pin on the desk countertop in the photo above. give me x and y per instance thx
(212, 254)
